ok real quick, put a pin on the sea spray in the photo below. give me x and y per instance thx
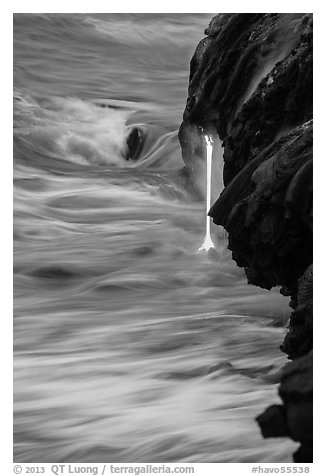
(71, 129)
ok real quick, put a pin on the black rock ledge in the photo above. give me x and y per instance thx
(250, 84)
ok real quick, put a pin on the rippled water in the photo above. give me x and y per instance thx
(129, 345)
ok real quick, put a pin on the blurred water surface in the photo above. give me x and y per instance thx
(129, 345)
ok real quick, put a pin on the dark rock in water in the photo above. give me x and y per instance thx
(135, 143)
(298, 340)
(52, 272)
(294, 417)
(251, 84)
(273, 422)
(144, 250)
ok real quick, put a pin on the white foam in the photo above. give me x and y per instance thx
(74, 129)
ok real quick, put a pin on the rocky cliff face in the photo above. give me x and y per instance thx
(251, 85)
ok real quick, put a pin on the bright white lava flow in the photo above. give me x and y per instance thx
(208, 243)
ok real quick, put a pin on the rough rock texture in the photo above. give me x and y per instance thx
(251, 85)
(294, 417)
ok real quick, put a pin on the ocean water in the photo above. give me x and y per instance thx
(129, 345)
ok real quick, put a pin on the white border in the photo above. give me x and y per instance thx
(64, 6)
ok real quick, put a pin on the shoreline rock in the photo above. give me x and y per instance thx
(250, 85)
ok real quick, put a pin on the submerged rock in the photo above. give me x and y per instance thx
(53, 272)
(250, 84)
(134, 143)
(294, 417)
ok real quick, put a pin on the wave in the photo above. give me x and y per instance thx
(119, 29)
(112, 302)
(71, 129)
(91, 133)
(138, 28)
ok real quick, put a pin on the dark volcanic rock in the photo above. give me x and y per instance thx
(250, 84)
(269, 227)
(294, 417)
(250, 81)
(134, 143)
